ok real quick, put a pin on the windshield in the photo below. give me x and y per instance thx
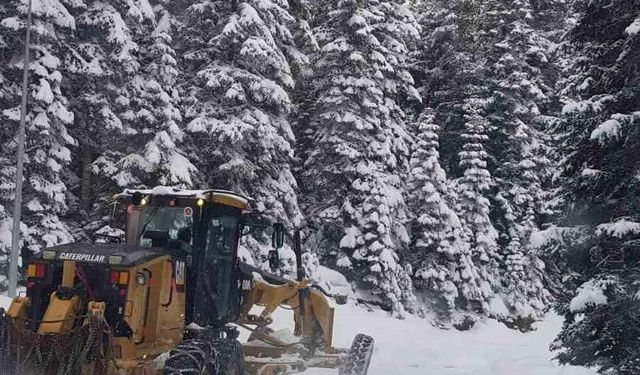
(177, 222)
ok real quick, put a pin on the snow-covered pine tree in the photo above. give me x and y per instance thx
(153, 113)
(444, 70)
(302, 95)
(6, 162)
(517, 73)
(235, 88)
(600, 187)
(448, 74)
(304, 38)
(101, 63)
(48, 117)
(353, 175)
(490, 50)
(444, 271)
(475, 207)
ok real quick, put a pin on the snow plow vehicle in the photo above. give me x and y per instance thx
(171, 298)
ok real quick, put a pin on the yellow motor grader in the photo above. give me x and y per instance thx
(170, 299)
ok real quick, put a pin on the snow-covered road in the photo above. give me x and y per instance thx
(413, 347)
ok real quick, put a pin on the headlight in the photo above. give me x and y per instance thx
(141, 279)
(48, 255)
(115, 259)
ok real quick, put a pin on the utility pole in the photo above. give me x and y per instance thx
(17, 204)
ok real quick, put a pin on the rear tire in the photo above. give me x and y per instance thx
(229, 357)
(359, 357)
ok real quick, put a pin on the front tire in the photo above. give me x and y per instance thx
(201, 357)
(229, 357)
(359, 357)
(192, 357)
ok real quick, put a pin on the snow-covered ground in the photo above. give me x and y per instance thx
(413, 347)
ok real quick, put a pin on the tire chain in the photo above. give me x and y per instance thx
(6, 362)
(63, 353)
(357, 361)
(224, 350)
(205, 357)
(190, 357)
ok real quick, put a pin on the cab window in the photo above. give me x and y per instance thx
(219, 255)
(221, 237)
(177, 222)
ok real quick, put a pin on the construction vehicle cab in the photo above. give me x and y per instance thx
(170, 299)
(202, 228)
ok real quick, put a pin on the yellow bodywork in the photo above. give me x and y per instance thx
(155, 312)
(155, 306)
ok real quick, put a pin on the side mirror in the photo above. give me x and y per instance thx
(274, 260)
(277, 238)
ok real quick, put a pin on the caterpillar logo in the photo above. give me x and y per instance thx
(93, 258)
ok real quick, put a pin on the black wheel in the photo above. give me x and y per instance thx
(229, 357)
(191, 357)
(200, 357)
(359, 357)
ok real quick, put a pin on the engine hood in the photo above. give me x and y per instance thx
(114, 254)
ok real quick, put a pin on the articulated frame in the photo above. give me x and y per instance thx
(267, 354)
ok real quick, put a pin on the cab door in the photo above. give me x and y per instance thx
(218, 299)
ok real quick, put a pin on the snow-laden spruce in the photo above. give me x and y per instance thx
(599, 184)
(443, 268)
(516, 56)
(234, 88)
(474, 204)
(48, 120)
(360, 143)
(109, 116)
(154, 114)
(483, 69)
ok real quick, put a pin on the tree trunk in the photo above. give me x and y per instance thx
(86, 158)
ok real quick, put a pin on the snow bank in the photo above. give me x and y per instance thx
(498, 308)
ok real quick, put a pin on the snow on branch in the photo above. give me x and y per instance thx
(634, 28)
(610, 129)
(618, 229)
(590, 293)
(554, 233)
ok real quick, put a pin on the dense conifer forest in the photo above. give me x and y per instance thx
(461, 159)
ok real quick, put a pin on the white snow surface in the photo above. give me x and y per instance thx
(414, 347)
